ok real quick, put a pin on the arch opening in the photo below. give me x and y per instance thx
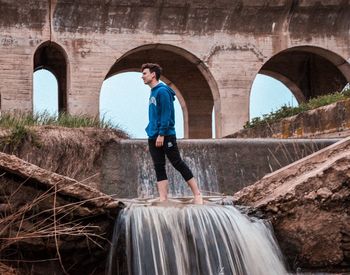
(50, 56)
(45, 93)
(269, 94)
(124, 101)
(186, 75)
(308, 71)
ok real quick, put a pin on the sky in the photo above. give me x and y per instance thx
(124, 100)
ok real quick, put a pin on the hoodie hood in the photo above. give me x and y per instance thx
(162, 85)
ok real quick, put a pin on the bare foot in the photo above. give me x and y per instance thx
(159, 201)
(198, 199)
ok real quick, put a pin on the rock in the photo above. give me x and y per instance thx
(324, 193)
(309, 207)
(46, 218)
(311, 196)
(64, 185)
(7, 270)
(345, 241)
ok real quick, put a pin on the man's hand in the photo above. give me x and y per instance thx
(159, 141)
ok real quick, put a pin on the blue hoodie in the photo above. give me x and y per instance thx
(161, 111)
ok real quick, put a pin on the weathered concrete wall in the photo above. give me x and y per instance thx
(223, 44)
(331, 121)
(222, 166)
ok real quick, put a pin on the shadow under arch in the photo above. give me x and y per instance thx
(308, 71)
(186, 73)
(52, 57)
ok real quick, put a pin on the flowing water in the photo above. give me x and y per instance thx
(192, 239)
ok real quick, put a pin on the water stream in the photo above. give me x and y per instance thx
(192, 239)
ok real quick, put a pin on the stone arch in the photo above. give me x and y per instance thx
(187, 74)
(52, 57)
(308, 71)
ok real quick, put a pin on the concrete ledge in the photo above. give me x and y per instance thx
(331, 121)
(220, 165)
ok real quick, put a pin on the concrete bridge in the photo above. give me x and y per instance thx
(211, 51)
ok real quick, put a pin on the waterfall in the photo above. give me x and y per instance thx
(205, 174)
(193, 240)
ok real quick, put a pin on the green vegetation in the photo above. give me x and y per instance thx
(287, 111)
(11, 120)
(17, 135)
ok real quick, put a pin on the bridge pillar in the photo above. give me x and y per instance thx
(16, 81)
(234, 72)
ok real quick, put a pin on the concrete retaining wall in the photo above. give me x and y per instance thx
(223, 166)
(330, 121)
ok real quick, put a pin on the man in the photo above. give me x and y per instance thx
(161, 133)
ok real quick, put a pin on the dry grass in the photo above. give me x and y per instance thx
(76, 153)
(18, 119)
(29, 223)
(290, 153)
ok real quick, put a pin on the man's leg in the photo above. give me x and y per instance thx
(163, 190)
(173, 154)
(158, 157)
(198, 199)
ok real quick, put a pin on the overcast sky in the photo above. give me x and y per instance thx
(124, 100)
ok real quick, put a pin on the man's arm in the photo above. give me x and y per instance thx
(165, 112)
(165, 116)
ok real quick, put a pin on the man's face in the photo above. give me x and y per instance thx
(147, 76)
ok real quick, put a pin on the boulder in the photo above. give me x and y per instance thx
(51, 222)
(308, 203)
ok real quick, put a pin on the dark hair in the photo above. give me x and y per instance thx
(153, 68)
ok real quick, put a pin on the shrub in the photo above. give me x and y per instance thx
(288, 111)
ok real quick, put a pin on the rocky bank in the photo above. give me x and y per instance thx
(308, 203)
(51, 222)
(73, 152)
